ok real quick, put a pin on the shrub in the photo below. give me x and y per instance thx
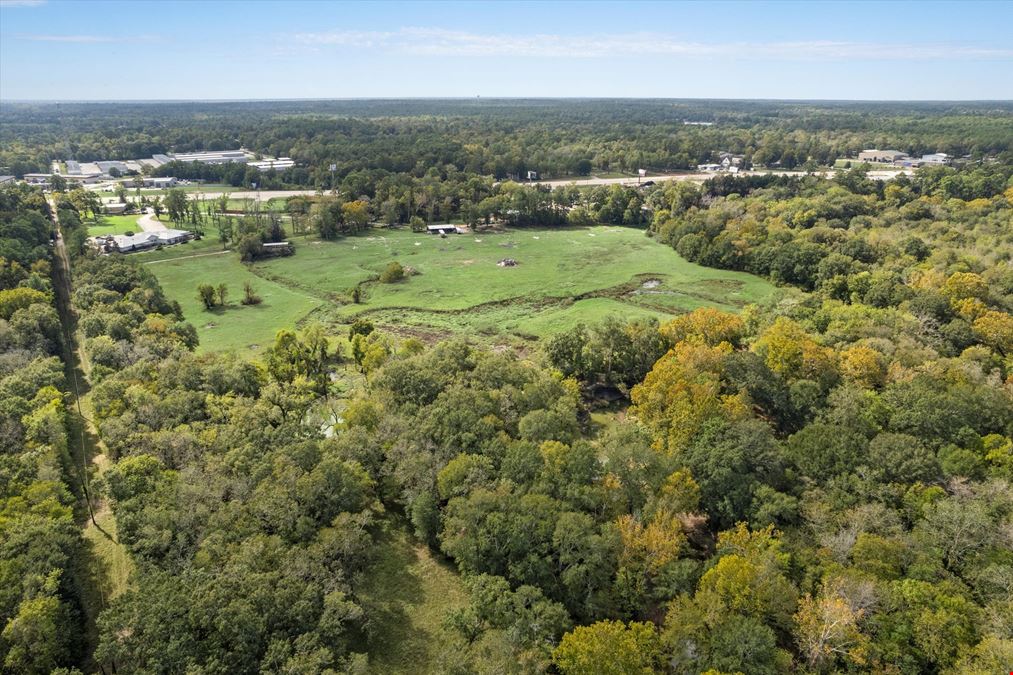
(207, 295)
(250, 296)
(393, 273)
(361, 327)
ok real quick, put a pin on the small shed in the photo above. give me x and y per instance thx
(442, 229)
(278, 248)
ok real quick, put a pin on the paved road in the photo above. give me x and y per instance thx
(701, 176)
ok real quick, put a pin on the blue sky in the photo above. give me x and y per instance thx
(148, 49)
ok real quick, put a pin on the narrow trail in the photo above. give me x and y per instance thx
(107, 564)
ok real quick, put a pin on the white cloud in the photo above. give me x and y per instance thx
(442, 42)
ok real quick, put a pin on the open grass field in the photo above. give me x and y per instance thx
(152, 192)
(276, 204)
(409, 593)
(181, 268)
(113, 225)
(562, 277)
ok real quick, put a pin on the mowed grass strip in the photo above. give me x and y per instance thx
(408, 593)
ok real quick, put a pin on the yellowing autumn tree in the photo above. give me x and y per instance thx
(678, 494)
(791, 352)
(649, 548)
(356, 213)
(827, 629)
(864, 366)
(996, 330)
(750, 586)
(710, 325)
(961, 285)
(609, 648)
(681, 392)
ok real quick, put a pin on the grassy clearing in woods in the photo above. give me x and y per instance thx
(408, 593)
(562, 277)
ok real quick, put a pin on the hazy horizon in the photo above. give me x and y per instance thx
(296, 99)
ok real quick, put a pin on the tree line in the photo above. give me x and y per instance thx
(491, 138)
(42, 579)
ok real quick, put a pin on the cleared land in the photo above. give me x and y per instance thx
(562, 276)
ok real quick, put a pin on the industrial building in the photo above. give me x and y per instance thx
(882, 156)
(161, 182)
(214, 157)
(279, 164)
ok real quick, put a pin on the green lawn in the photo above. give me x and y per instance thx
(563, 276)
(114, 225)
(274, 204)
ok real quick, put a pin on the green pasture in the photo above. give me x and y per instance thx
(852, 163)
(276, 204)
(562, 277)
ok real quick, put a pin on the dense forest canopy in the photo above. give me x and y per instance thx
(820, 483)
